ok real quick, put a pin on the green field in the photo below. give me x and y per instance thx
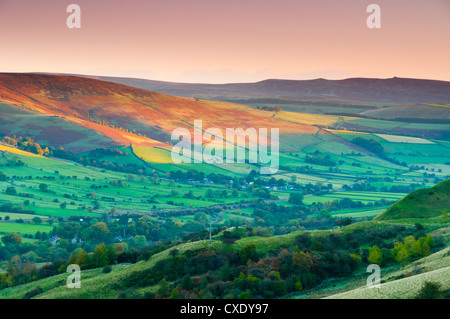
(358, 213)
(15, 216)
(24, 229)
(364, 197)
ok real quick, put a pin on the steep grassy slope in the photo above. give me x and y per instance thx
(422, 203)
(435, 268)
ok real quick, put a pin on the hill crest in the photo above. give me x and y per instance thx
(422, 203)
(391, 90)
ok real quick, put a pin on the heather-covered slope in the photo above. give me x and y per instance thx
(118, 112)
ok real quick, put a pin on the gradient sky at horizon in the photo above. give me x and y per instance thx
(224, 41)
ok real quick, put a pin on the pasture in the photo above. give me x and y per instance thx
(77, 190)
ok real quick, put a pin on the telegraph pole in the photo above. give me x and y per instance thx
(210, 226)
(210, 230)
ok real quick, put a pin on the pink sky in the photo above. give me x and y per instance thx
(228, 40)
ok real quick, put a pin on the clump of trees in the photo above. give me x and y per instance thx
(369, 144)
(319, 159)
(269, 108)
(94, 158)
(26, 144)
(12, 239)
(10, 208)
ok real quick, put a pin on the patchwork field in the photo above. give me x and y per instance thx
(404, 139)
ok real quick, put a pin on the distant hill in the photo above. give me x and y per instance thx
(422, 203)
(393, 90)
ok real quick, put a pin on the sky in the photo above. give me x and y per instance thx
(212, 41)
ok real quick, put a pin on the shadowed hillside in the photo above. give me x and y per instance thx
(439, 112)
(394, 90)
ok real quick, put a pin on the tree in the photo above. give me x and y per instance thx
(274, 275)
(174, 193)
(400, 253)
(11, 190)
(96, 205)
(175, 294)
(10, 141)
(37, 220)
(119, 248)
(82, 258)
(64, 244)
(424, 249)
(12, 239)
(245, 295)
(187, 283)
(324, 214)
(100, 228)
(248, 252)
(225, 272)
(370, 145)
(139, 241)
(112, 255)
(375, 255)
(302, 261)
(43, 187)
(296, 198)
(278, 287)
(100, 256)
(163, 289)
(36, 149)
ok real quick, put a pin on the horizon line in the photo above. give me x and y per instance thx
(94, 76)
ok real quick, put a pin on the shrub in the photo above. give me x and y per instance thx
(430, 290)
(33, 293)
(107, 269)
